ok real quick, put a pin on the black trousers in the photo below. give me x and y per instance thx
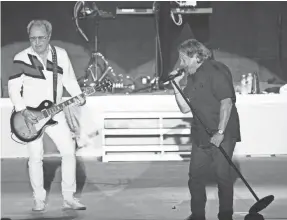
(201, 159)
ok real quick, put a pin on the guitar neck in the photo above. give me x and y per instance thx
(57, 108)
(88, 91)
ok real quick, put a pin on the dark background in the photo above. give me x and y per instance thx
(255, 30)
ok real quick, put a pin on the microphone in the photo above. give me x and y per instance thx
(171, 77)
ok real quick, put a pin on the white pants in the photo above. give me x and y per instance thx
(62, 137)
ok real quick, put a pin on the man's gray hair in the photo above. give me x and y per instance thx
(193, 47)
(44, 23)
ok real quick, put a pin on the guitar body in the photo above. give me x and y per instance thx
(26, 131)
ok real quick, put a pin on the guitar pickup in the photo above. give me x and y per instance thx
(45, 113)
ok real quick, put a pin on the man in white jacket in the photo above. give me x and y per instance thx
(31, 82)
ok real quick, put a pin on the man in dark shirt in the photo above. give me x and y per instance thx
(211, 93)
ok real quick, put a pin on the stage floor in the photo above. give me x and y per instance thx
(139, 190)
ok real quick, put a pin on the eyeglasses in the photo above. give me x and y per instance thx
(40, 38)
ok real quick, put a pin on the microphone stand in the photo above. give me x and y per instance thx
(261, 203)
(157, 47)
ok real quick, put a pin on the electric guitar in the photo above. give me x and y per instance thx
(27, 132)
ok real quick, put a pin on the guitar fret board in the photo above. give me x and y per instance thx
(59, 107)
(55, 109)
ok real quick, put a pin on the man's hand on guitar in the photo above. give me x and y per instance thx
(29, 116)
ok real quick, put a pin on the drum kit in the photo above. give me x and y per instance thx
(98, 67)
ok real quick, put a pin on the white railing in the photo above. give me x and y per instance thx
(109, 121)
(154, 127)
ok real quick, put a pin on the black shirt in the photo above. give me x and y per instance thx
(211, 83)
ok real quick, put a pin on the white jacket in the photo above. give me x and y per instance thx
(37, 86)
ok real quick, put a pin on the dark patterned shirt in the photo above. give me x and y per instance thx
(211, 83)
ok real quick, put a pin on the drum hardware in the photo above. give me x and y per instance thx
(98, 66)
(89, 10)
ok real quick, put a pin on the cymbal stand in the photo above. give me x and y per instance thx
(93, 68)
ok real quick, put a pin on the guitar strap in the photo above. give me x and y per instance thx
(55, 72)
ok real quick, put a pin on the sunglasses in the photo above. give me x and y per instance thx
(40, 38)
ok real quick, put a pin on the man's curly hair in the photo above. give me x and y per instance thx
(191, 47)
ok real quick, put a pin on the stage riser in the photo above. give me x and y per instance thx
(141, 121)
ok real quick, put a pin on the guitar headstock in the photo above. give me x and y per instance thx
(105, 85)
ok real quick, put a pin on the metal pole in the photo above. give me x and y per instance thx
(96, 47)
